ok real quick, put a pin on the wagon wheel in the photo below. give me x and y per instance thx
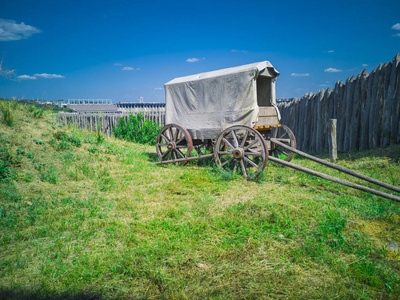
(173, 142)
(242, 150)
(284, 135)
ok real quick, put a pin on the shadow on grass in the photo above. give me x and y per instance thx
(153, 157)
(13, 294)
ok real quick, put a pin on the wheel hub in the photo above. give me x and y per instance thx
(171, 146)
(238, 153)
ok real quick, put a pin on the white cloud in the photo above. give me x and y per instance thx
(332, 70)
(26, 77)
(397, 34)
(234, 50)
(42, 75)
(192, 60)
(158, 88)
(300, 74)
(364, 65)
(48, 76)
(128, 69)
(12, 31)
(331, 51)
(396, 26)
(117, 64)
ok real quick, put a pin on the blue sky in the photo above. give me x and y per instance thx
(123, 50)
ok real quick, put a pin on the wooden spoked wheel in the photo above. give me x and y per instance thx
(284, 135)
(241, 150)
(173, 142)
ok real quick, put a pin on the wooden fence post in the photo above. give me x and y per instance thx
(332, 140)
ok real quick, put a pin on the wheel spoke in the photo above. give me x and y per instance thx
(171, 134)
(243, 168)
(181, 140)
(165, 154)
(253, 153)
(235, 139)
(175, 155)
(251, 162)
(165, 137)
(162, 145)
(285, 133)
(227, 161)
(251, 145)
(235, 167)
(180, 153)
(244, 139)
(225, 152)
(227, 142)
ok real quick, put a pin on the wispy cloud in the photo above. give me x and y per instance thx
(331, 51)
(300, 74)
(158, 88)
(26, 77)
(12, 31)
(130, 69)
(364, 65)
(49, 76)
(236, 51)
(192, 60)
(42, 75)
(396, 26)
(117, 64)
(332, 70)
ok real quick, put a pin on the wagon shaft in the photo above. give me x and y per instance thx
(340, 168)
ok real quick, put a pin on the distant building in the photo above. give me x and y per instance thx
(106, 106)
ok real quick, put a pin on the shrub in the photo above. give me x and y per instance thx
(6, 159)
(7, 114)
(38, 113)
(64, 141)
(137, 130)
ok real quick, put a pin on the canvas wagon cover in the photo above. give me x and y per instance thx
(207, 103)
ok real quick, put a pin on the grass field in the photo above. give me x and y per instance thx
(82, 218)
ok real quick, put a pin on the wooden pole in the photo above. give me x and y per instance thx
(334, 179)
(337, 167)
(332, 140)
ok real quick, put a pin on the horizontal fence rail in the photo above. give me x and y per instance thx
(107, 121)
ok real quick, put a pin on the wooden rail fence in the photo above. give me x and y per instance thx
(106, 121)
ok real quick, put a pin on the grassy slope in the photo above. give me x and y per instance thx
(102, 221)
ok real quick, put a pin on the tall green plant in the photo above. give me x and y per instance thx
(138, 130)
(7, 113)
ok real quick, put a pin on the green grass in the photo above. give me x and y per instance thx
(86, 220)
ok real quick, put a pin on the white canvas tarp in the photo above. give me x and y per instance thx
(207, 103)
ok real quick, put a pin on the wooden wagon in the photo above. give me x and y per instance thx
(230, 114)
